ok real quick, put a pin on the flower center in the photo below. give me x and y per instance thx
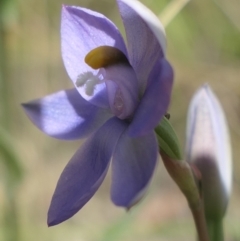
(118, 101)
(90, 81)
(105, 56)
(115, 74)
(100, 58)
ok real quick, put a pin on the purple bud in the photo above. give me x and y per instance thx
(208, 148)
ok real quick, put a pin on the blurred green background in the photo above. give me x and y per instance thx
(203, 46)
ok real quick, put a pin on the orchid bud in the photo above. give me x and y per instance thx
(168, 140)
(208, 148)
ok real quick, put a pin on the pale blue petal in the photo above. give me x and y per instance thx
(66, 115)
(155, 101)
(81, 31)
(133, 164)
(84, 173)
(145, 37)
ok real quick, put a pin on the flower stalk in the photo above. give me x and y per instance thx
(187, 180)
(215, 229)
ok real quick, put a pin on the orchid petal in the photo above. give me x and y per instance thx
(66, 115)
(134, 161)
(84, 173)
(122, 88)
(81, 31)
(208, 147)
(155, 100)
(145, 37)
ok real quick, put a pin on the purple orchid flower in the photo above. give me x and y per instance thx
(119, 98)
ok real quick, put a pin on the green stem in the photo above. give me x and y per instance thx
(229, 16)
(215, 230)
(200, 222)
(171, 11)
(185, 178)
(4, 88)
(11, 227)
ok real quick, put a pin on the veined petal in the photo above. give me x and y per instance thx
(66, 115)
(133, 164)
(208, 147)
(122, 86)
(155, 100)
(81, 31)
(84, 173)
(145, 37)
